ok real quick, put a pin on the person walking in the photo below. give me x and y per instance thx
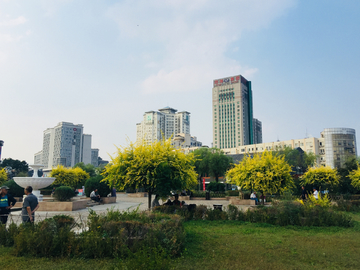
(30, 205)
(6, 203)
(303, 193)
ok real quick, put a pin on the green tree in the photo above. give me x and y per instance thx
(219, 163)
(157, 167)
(324, 177)
(355, 178)
(89, 168)
(266, 172)
(202, 162)
(346, 185)
(3, 176)
(211, 161)
(16, 165)
(69, 176)
(298, 159)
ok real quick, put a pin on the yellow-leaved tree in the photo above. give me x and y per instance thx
(3, 176)
(355, 178)
(321, 177)
(266, 173)
(69, 176)
(157, 167)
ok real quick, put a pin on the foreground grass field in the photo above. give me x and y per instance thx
(233, 245)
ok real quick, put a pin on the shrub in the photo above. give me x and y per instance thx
(64, 193)
(15, 189)
(216, 186)
(215, 214)
(232, 193)
(95, 183)
(113, 234)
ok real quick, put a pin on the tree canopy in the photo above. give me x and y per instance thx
(16, 165)
(89, 168)
(3, 176)
(324, 177)
(69, 176)
(211, 161)
(298, 159)
(265, 172)
(355, 178)
(346, 183)
(158, 167)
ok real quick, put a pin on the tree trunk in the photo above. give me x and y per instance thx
(263, 201)
(149, 199)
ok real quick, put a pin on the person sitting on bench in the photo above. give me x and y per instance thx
(94, 195)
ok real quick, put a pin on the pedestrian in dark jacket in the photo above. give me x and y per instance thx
(6, 203)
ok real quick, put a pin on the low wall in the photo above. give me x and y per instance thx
(107, 200)
(60, 206)
(137, 194)
(181, 198)
(67, 206)
(236, 201)
(203, 198)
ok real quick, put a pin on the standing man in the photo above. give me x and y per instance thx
(303, 193)
(30, 205)
(316, 194)
(6, 203)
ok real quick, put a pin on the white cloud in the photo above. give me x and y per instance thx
(14, 22)
(193, 36)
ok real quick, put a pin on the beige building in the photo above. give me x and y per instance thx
(333, 147)
(183, 140)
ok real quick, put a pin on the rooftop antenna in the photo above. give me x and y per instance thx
(278, 139)
(306, 134)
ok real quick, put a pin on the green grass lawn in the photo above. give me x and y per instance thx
(235, 245)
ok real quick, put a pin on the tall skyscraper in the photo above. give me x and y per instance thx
(162, 124)
(65, 144)
(232, 109)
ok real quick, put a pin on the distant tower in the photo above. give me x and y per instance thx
(232, 109)
(1, 145)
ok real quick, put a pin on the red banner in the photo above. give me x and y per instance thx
(203, 183)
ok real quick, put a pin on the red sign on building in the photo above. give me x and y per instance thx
(203, 183)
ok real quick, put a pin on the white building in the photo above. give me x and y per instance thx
(65, 144)
(232, 108)
(162, 124)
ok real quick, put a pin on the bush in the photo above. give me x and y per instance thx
(232, 193)
(282, 213)
(95, 183)
(216, 186)
(113, 234)
(64, 193)
(15, 189)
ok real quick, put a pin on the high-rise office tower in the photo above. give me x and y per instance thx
(65, 144)
(232, 112)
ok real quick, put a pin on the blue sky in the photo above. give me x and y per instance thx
(104, 63)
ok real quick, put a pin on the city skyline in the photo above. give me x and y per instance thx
(104, 64)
